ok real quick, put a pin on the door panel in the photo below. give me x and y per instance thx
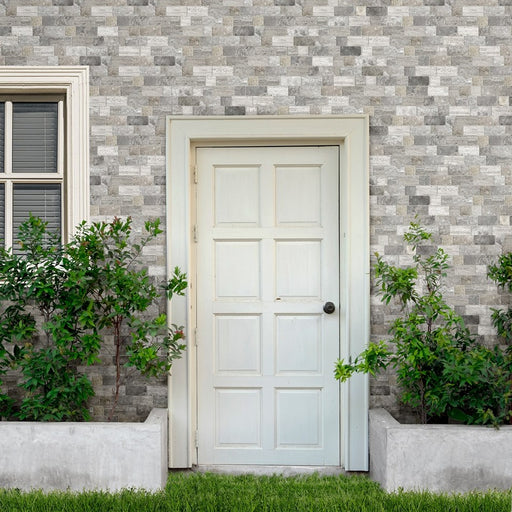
(267, 261)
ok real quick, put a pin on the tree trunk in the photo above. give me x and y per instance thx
(117, 343)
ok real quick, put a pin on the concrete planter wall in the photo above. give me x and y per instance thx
(85, 456)
(451, 458)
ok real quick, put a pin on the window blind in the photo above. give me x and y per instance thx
(2, 212)
(34, 137)
(2, 135)
(40, 200)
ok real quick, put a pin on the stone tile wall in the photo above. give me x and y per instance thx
(434, 76)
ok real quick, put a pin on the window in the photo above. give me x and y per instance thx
(43, 148)
(32, 162)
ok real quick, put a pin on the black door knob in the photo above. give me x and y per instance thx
(329, 308)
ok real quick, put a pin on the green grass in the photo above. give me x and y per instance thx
(207, 492)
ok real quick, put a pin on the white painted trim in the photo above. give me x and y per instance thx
(351, 133)
(73, 81)
(61, 138)
(8, 139)
(8, 213)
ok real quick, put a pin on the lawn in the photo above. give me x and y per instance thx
(190, 492)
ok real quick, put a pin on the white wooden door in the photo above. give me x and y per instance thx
(267, 261)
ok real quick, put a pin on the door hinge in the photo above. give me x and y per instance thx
(196, 178)
(196, 439)
(195, 336)
(194, 233)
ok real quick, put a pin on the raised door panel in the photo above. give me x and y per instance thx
(237, 269)
(238, 418)
(298, 268)
(298, 341)
(298, 419)
(237, 190)
(298, 195)
(238, 344)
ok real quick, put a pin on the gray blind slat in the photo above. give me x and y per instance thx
(40, 200)
(34, 137)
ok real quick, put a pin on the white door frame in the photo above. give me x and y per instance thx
(350, 133)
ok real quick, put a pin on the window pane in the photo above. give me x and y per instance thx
(2, 135)
(34, 137)
(2, 212)
(40, 200)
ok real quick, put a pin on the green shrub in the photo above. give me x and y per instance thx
(501, 274)
(441, 370)
(58, 301)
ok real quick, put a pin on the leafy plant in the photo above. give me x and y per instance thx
(441, 370)
(122, 292)
(41, 328)
(501, 274)
(57, 303)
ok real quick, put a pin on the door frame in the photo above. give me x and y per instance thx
(351, 134)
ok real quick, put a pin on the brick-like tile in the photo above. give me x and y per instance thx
(434, 78)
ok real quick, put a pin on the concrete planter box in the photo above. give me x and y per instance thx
(84, 456)
(450, 458)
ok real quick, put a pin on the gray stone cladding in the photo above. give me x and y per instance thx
(434, 76)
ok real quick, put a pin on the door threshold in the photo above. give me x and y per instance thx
(260, 470)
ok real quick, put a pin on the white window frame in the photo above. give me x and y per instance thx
(72, 82)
